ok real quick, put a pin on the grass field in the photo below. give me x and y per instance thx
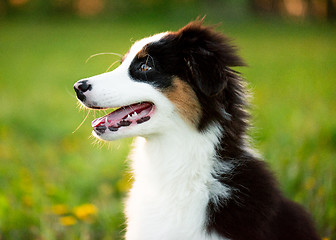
(56, 184)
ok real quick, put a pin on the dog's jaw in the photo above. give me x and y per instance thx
(125, 116)
(126, 121)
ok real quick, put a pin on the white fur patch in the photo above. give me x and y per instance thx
(173, 184)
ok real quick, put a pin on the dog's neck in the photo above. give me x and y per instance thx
(182, 158)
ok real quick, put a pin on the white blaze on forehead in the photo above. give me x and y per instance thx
(138, 45)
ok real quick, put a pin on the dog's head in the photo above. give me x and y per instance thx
(166, 80)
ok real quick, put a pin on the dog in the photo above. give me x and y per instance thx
(196, 177)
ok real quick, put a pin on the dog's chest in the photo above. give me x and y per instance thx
(162, 216)
(170, 195)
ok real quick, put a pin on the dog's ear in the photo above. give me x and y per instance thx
(208, 56)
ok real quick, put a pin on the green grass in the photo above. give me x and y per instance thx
(46, 171)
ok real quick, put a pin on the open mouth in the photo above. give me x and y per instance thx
(124, 117)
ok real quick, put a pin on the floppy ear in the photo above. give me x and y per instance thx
(208, 56)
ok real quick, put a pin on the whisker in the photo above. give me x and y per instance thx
(81, 107)
(82, 121)
(71, 93)
(97, 142)
(149, 56)
(98, 54)
(112, 65)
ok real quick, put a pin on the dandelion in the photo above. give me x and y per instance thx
(320, 193)
(85, 211)
(27, 201)
(59, 209)
(310, 183)
(67, 220)
(125, 183)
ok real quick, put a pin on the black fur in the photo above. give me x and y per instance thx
(156, 76)
(198, 55)
(202, 57)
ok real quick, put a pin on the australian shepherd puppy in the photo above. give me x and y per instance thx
(196, 177)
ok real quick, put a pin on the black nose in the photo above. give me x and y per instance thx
(81, 87)
(84, 86)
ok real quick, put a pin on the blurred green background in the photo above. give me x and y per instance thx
(56, 184)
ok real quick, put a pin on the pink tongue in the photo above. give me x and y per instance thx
(124, 114)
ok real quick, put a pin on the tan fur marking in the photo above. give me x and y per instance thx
(142, 53)
(185, 100)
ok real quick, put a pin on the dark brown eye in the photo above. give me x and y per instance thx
(144, 67)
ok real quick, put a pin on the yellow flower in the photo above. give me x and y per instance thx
(320, 193)
(68, 220)
(27, 201)
(85, 211)
(125, 183)
(59, 209)
(310, 183)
